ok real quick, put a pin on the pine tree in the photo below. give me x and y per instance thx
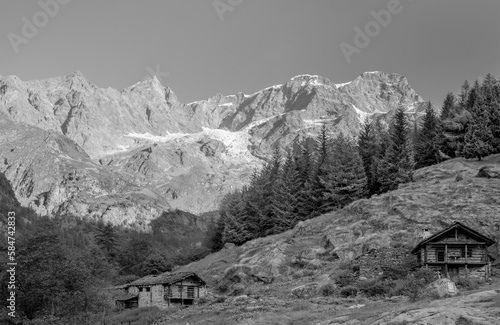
(428, 140)
(464, 95)
(490, 100)
(448, 106)
(398, 165)
(372, 144)
(321, 156)
(479, 138)
(284, 203)
(473, 93)
(477, 141)
(304, 167)
(106, 238)
(345, 178)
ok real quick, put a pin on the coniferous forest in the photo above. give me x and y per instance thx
(66, 262)
(339, 170)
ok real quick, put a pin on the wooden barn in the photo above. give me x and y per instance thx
(162, 290)
(457, 251)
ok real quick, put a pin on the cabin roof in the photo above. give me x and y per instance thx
(469, 231)
(164, 278)
(125, 296)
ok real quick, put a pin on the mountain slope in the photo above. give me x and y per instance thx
(187, 154)
(52, 175)
(436, 199)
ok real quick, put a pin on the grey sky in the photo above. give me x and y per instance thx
(437, 44)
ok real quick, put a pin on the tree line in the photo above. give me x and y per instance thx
(64, 263)
(338, 170)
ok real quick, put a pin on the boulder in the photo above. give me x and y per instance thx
(489, 172)
(441, 288)
(304, 291)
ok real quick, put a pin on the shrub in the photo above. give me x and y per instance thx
(298, 262)
(425, 275)
(202, 300)
(467, 283)
(349, 291)
(345, 278)
(327, 289)
(136, 316)
(394, 273)
(374, 288)
(308, 272)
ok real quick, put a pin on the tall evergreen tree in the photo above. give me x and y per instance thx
(106, 238)
(448, 106)
(464, 95)
(479, 138)
(398, 165)
(322, 153)
(428, 140)
(490, 100)
(345, 178)
(304, 167)
(285, 200)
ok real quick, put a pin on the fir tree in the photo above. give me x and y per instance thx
(428, 140)
(106, 238)
(321, 156)
(397, 165)
(345, 178)
(479, 138)
(304, 167)
(284, 203)
(372, 144)
(464, 95)
(448, 106)
(490, 100)
(477, 141)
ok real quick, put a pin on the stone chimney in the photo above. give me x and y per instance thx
(425, 233)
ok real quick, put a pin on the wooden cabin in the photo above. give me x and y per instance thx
(457, 251)
(163, 290)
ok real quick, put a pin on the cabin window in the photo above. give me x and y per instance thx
(180, 289)
(440, 255)
(190, 292)
(148, 289)
(140, 289)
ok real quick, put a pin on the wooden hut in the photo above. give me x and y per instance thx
(457, 251)
(163, 290)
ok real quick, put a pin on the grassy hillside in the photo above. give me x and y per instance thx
(288, 273)
(440, 195)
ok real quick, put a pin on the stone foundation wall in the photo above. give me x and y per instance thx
(373, 263)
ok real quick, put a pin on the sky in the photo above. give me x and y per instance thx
(202, 47)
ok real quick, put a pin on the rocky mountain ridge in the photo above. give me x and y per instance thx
(176, 155)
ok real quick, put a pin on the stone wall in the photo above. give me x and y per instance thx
(373, 263)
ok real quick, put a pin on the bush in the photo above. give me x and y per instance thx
(345, 278)
(375, 288)
(349, 291)
(394, 273)
(425, 275)
(467, 283)
(136, 316)
(327, 289)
